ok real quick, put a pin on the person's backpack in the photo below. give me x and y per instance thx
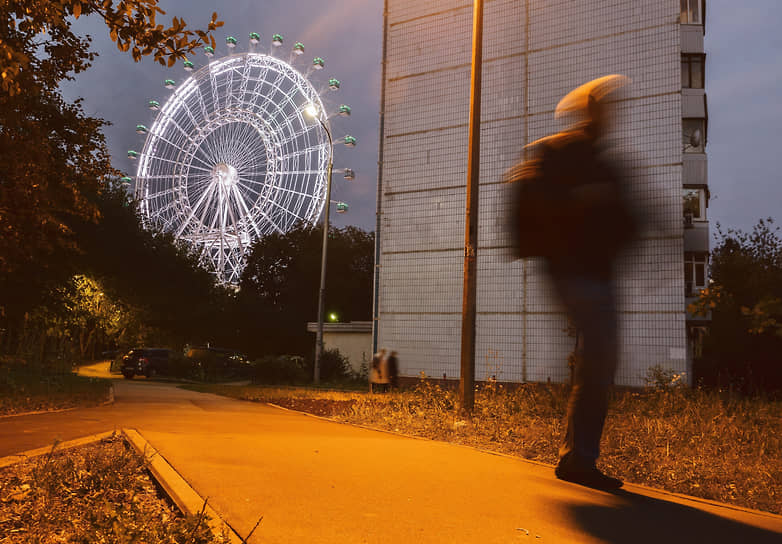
(532, 216)
(555, 211)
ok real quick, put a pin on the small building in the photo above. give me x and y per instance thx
(352, 339)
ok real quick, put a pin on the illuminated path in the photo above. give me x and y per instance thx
(315, 481)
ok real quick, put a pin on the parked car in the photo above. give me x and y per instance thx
(218, 363)
(148, 362)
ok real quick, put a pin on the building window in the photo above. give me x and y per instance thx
(694, 273)
(693, 71)
(692, 12)
(694, 205)
(694, 135)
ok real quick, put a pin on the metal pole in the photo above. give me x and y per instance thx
(467, 380)
(379, 195)
(322, 292)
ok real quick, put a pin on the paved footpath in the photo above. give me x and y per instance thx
(317, 481)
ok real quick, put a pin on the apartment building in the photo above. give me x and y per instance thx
(534, 52)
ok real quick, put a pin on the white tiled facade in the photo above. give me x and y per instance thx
(534, 52)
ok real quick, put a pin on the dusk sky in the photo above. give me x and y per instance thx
(743, 85)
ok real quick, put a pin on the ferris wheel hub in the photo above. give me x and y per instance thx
(225, 175)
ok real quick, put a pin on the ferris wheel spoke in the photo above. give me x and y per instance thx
(250, 189)
(294, 172)
(185, 134)
(204, 197)
(235, 222)
(247, 213)
(253, 153)
(193, 120)
(284, 209)
(182, 150)
(291, 191)
(196, 186)
(207, 150)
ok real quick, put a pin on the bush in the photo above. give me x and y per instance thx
(292, 369)
(334, 367)
(215, 364)
(181, 367)
(279, 369)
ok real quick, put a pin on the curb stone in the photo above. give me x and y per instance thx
(177, 488)
(58, 447)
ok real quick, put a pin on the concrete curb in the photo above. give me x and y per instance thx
(29, 454)
(628, 486)
(177, 488)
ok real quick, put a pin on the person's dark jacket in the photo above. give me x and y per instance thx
(584, 219)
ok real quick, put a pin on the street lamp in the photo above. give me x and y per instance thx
(313, 112)
(467, 356)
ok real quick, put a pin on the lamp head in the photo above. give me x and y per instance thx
(311, 110)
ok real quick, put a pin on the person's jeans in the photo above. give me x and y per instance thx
(590, 303)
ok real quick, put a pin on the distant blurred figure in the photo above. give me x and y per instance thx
(571, 209)
(392, 368)
(378, 376)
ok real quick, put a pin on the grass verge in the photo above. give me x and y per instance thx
(24, 390)
(101, 492)
(694, 442)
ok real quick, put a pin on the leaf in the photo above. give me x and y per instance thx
(171, 61)
(77, 9)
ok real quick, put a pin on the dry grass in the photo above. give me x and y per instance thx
(687, 441)
(23, 390)
(96, 493)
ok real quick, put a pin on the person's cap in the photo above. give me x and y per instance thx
(596, 90)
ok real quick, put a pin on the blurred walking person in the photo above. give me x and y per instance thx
(571, 209)
(379, 379)
(392, 368)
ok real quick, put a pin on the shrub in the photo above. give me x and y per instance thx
(279, 369)
(334, 366)
(659, 377)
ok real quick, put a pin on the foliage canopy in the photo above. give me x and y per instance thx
(745, 301)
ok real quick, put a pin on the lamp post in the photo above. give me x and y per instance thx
(313, 112)
(467, 378)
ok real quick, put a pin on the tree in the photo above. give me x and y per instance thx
(175, 298)
(131, 24)
(53, 158)
(744, 344)
(279, 287)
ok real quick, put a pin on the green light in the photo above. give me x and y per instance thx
(332, 317)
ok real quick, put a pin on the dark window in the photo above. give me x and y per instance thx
(692, 71)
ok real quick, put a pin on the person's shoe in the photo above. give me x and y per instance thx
(590, 477)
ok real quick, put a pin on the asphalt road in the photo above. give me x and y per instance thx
(318, 481)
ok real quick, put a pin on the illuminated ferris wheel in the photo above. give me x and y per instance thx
(241, 149)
